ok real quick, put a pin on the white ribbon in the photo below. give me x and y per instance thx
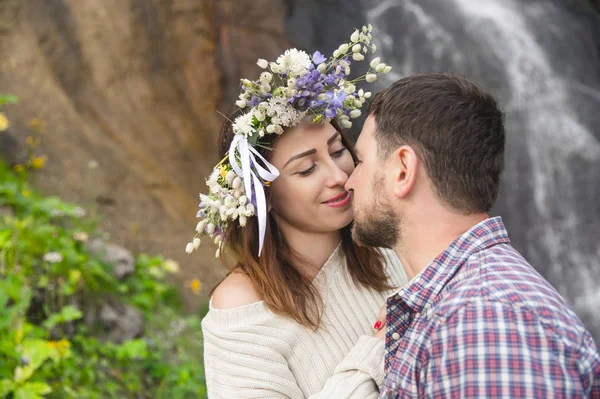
(247, 156)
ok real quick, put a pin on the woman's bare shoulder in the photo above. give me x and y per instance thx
(236, 290)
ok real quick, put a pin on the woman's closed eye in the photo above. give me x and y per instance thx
(336, 154)
(307, 172)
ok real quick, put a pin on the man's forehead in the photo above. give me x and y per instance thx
(365, 138)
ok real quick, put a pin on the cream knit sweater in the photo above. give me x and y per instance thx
(249, 352)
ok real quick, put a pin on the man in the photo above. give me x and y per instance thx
(476, 320)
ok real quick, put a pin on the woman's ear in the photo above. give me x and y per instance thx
(404, 166)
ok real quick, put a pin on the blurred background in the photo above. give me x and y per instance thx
(108, 126)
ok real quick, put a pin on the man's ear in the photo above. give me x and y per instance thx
(404, 164)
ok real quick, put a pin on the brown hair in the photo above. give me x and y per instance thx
(455, 127)
(285, 290)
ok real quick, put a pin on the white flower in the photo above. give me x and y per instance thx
(250, 208)
(274, 67)
(367, 95)
(356, 48)
(242, 200)
(380, 67)
(361, 92)
(358, 103)
(80, 236)
(291, 83)
(171, 266)
(210, 228)
(262, 63)
(358, 57)
(355, 113)
(343, 48)
(243, 124)
(242, 220)
(214, 176)
(237, 182)
(286, 113)
(189, 248)
(266, 77)
(53, 257)
(346, 124)
(371, 77)
(321, 67)
(375, 62)
(355, 36)
(387, 69)
(241, 103)
(79, 212)
(260, 116)
(196, 243)
(200, 226)
(349, 88)
(336, 53)
(293, 61)
(230, 176)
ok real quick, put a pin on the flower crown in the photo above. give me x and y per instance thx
(296, 87)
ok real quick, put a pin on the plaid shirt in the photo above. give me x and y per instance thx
(479, 321)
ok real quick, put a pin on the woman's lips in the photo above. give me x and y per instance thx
(339, 200)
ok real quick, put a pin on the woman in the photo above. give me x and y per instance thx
(294, 316)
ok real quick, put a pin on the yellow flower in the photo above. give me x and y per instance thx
(18, 168)
(195, 285)
(4, 124)
(26, 193)
(223, 173)
(38, 124)
(60, 346)
(39, 162)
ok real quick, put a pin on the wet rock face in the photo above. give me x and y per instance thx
(541, 60)
(132, 86)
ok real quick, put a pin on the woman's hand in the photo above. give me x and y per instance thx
(379, 325)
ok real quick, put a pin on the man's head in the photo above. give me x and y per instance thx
(431, 138)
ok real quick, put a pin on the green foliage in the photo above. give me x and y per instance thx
(47, 274)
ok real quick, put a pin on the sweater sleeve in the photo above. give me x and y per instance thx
(238, 364)
(359, 374)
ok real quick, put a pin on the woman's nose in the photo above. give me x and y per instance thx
(336, 176)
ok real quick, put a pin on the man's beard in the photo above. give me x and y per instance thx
(380, 226)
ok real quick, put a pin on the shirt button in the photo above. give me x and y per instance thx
(396, 336)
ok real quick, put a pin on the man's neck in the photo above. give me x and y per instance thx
(423, 240)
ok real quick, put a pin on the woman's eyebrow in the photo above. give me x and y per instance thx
(310, 152)
(303, 154)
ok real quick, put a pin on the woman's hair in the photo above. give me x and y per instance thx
(284, 289)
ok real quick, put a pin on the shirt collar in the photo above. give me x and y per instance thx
(425, 287)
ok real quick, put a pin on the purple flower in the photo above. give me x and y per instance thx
(254, 101)
(318, 58)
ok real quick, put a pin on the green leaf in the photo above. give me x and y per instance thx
(68, 313)
(6, 386)
(133, 349)
(8, 100)
(32, 390)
